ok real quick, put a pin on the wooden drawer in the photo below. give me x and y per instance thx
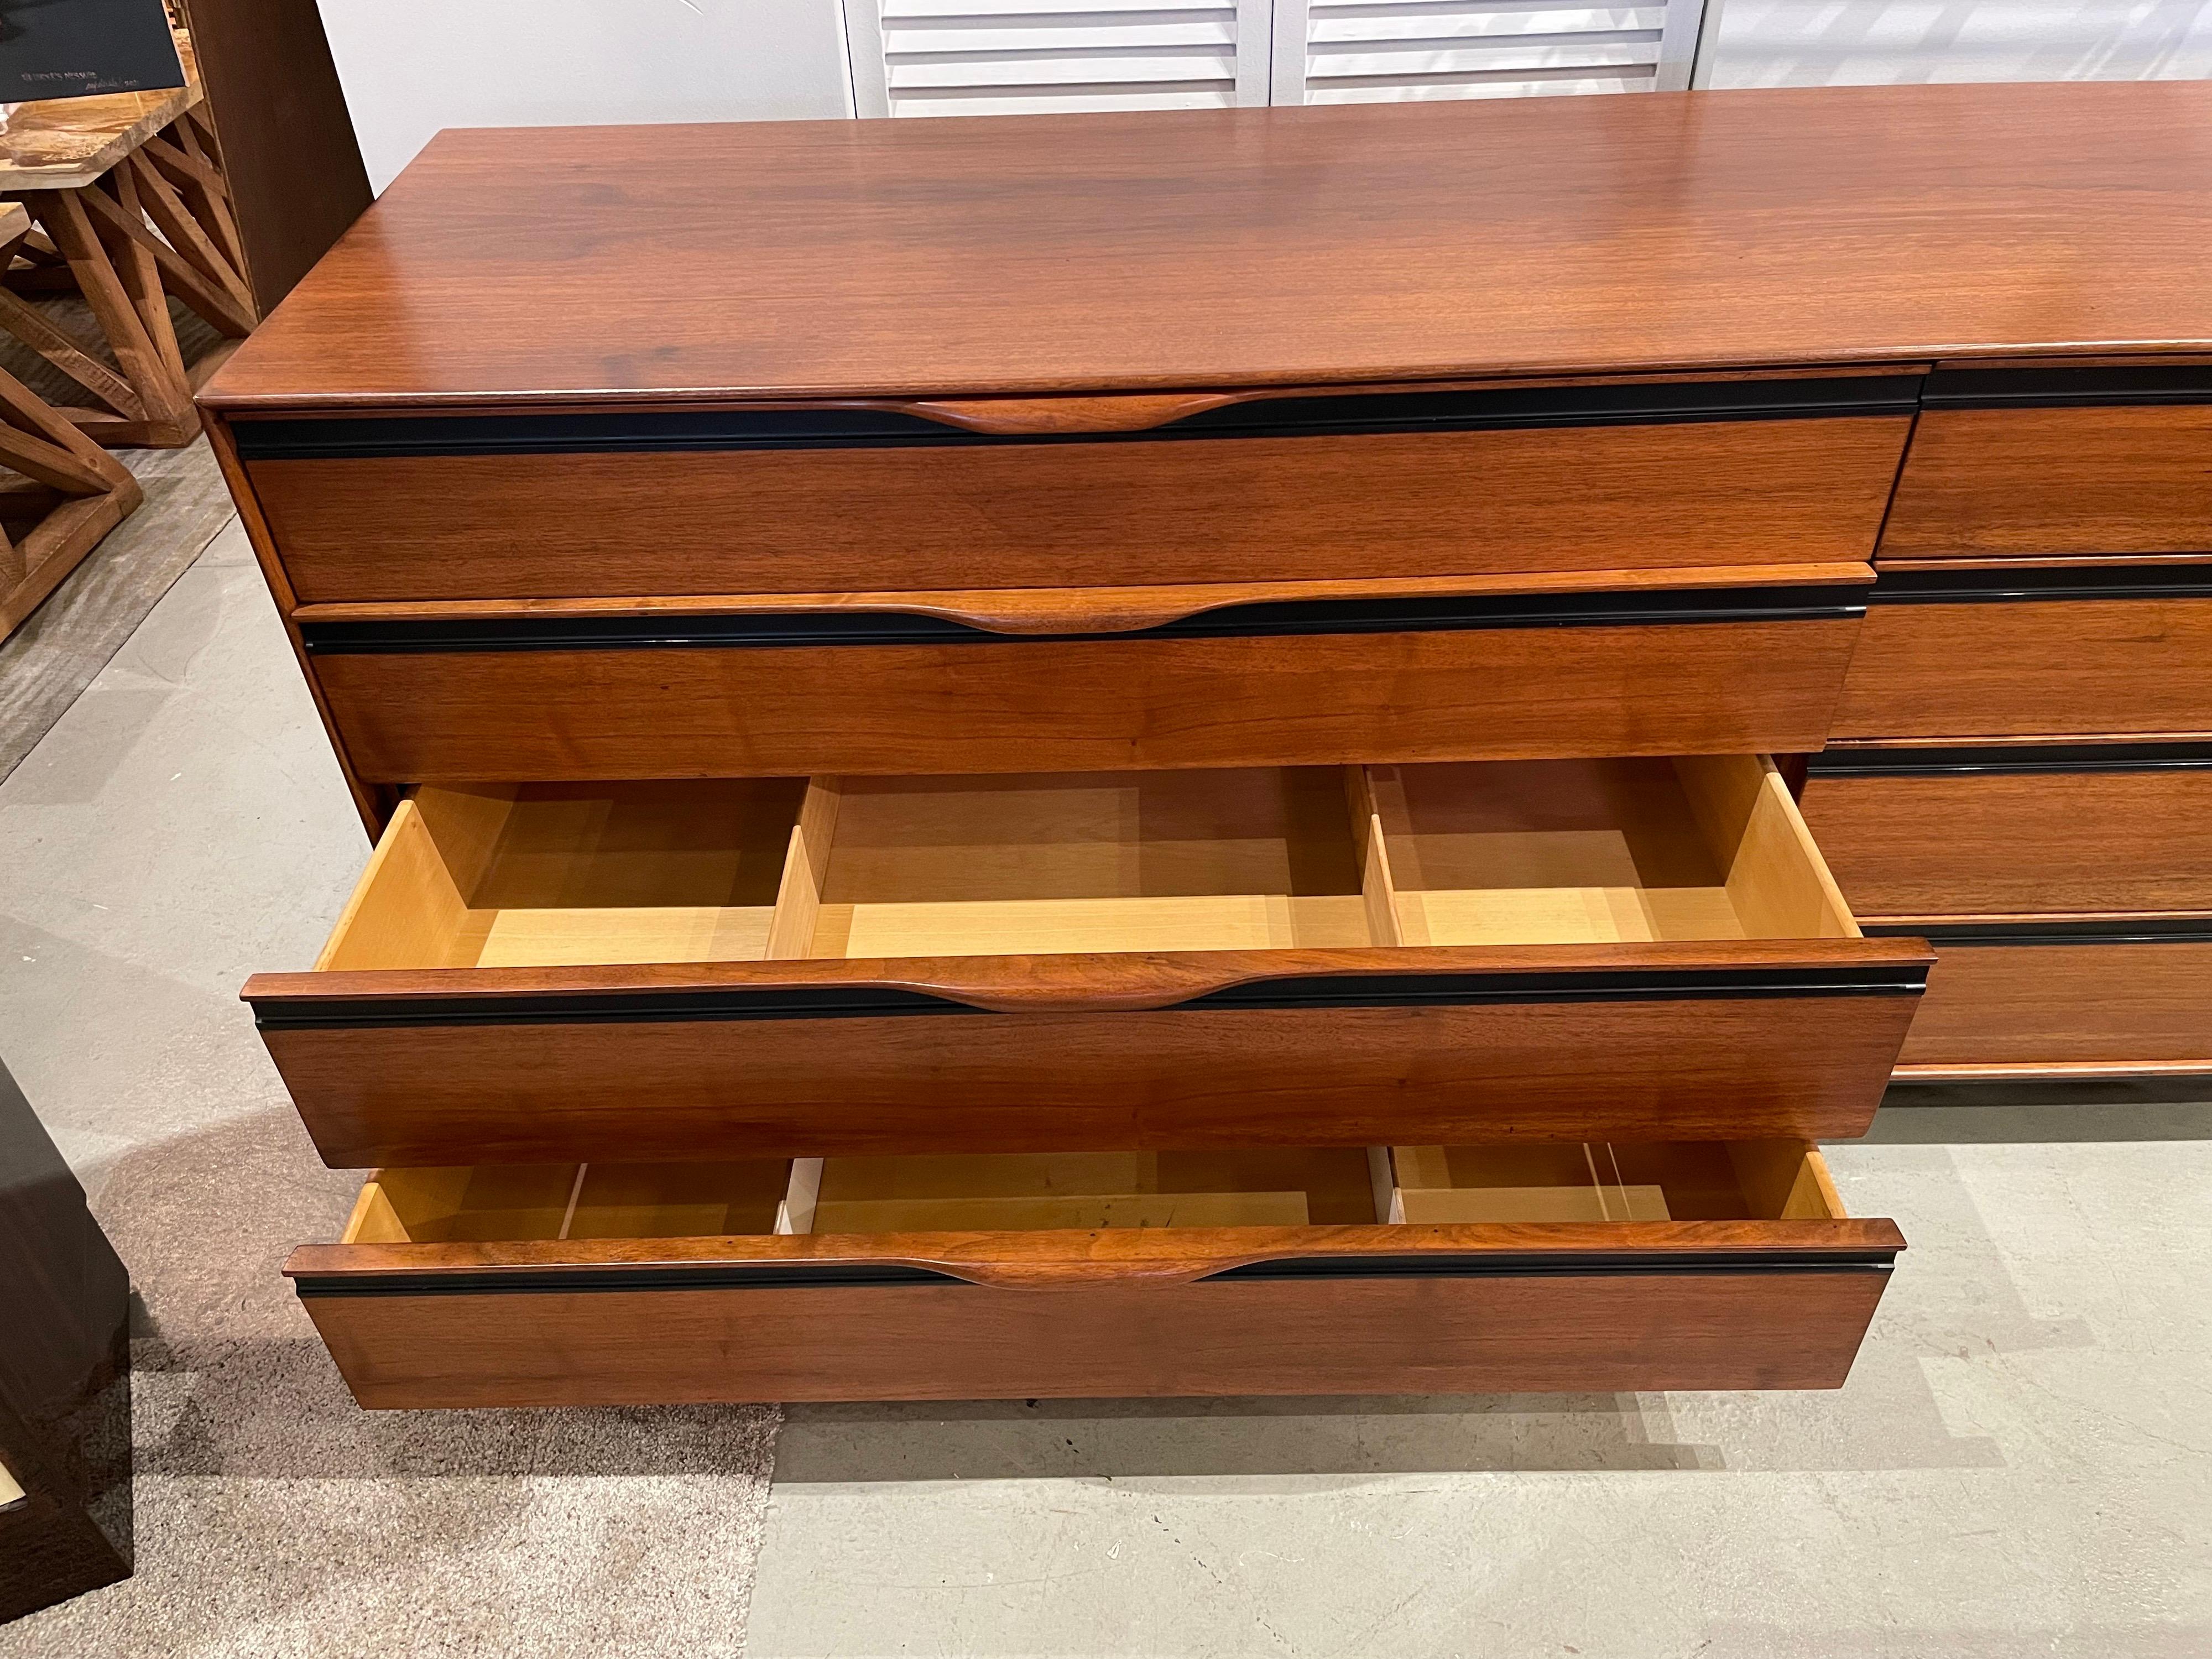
(1292, 683)
(2015, 830)
(1639, 949)
(1076, 491)
(2111, 998)
(1104, 1275)
(2086, 650)
(2044, 462)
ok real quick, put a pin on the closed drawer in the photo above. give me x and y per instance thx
(2021, 830)
(2111, 998)
(2086, 650)
(2055, 462)
(1231, 1272)
(1294, 682)
(1641, 949)
(1018, 494)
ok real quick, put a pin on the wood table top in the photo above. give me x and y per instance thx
(1261, 247)
(65, 143)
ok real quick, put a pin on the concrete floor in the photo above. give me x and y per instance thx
(2022, 1462)
(183, 824)
(2018, 1465)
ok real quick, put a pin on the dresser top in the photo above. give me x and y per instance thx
(1261, 247)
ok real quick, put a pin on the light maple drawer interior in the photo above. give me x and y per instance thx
(1477, 853)
(547, 875)
(1578, 851)
(1547, 1183)
(1473, 854)
(1604, 1181)
(1086, 861)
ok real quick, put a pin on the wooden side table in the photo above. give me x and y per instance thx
(64, 1378)
(70, 492)
(130, 204)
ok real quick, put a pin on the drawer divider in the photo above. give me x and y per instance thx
(794, 1212)
(576, 1192)
(798, 896)
(1376, 886)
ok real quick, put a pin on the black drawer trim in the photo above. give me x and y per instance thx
(1996, 760)
(603, 1008)
(339, 1013)
(2064, 388)
(1633, 985)
(616, 432)
(1560, 1264)
(2163, 930)
(796, 1275)
(2045, 583)
(1637, 608)
(1349, 991)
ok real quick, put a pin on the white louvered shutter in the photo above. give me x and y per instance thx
(1046, 57)
(1351, 51)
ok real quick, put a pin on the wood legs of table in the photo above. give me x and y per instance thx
(73, 493)
(157, 223)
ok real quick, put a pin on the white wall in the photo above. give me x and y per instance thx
(1774, 42)
(413, 66)
(410, 67)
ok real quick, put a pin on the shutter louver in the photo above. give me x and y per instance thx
(1343, 51)
(1046, 57)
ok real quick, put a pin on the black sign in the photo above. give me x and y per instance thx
(82, 48)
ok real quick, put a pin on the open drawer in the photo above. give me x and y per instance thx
(1284, 1271)
(1634, 949)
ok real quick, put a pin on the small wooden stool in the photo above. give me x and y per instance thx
(71, 491)
(92, 173)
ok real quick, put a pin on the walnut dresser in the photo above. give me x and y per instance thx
(1150, 755)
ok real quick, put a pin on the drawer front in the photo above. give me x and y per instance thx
(2089, 650)
(1341, 1310)
(1616, 948)
(2056, 462)
(2015, 830)
(1780, 1047)
(2094, 998)
(1285, 488)
(1734, 672)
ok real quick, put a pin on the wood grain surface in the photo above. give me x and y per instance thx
(2066, 1005)
(2051, 842)
(2030, 668)
(2024, 482)
(1265, 246)
(1087, 1052)
(1721, 688)
(1081, 515)
(1694, 1068)
(288, 151)
(1092, 1318)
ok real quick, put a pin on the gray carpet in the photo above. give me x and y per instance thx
(181, 825)
(276, 1518)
